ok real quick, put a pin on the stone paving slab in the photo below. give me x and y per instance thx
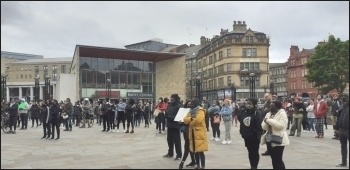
(90, 148)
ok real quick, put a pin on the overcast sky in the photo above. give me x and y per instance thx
(53, 29)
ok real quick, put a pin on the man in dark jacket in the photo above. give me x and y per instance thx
(55, 116)
(77, 113)
(342, 127)
(130, 114)
(45, 117)
(250, 129)
(173, 136)
(13, 111)
(337, 106)
(104, 110)
(267, 109)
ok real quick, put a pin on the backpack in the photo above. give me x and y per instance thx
(22, 106)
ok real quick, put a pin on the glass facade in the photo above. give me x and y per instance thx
(125, 75)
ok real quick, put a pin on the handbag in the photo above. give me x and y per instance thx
(65, 116)
(227, 118)
(156, 112)
(272, 138)
(217, 119)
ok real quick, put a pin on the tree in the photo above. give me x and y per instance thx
(329, 65)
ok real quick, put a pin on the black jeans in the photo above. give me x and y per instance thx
(105, 122)
(78, 119)
(111, 118)
(13, 122)
(55, 124)
(18, 121)
(130, 120)
(276, 154)
(37, 121)
(146, 117)
(187, 149)
(215, 128)
(24, 118)
(304, 123)
(161, 122)
(344, 139)
(253, 143)
(121, 118)
(173, 138)
(200, 159)
(46, 128)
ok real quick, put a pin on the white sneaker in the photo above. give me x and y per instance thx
(124, 131)
(308, 131)
(162, 132)
(224, 142)
(229, 142)
(113, 131)
(304, 131)
(212, 138)
(117, 131)
(217, 139)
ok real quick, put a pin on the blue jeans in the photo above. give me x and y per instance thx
(311, 124)
(68, 123)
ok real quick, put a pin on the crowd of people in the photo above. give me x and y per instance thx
(257, 126)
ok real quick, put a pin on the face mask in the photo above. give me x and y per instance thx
(159, 101)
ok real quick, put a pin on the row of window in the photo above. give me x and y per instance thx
(36, 68)
(304, 85)
(278, 71)
(292, 73)
(220, 83)
(115, 64)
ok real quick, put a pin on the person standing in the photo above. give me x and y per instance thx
(146, 112)
(310, 116)
(45, 117)
(55, 115)
(213, 112)
(342, 127)
(266, 109)
(97, 113)
(185, 132)
(205, 106)
(130, 113)
(13, 111)
(289, 110)
(226, 113)
(298, 109)
(86, 107)
(104, 111)
(275, 124)
(161, 106)
(23, 111)
(111, 116)
(250, 129)
(68, 109)
(35, 112)
(320, 110)
(138, 114)
(173, 135)
(121, 114)
(197, 132)
(337, 106)
(77, 113)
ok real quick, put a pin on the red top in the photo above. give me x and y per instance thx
(161, 106)
(322, 109)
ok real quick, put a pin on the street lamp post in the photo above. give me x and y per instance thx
(3, 86)
(36, 89)
(47, 87)
(198, 86)
(108, 88)
(272, 88)
(233, 92)
(252, 78)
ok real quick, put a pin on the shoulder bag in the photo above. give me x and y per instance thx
(273, 138)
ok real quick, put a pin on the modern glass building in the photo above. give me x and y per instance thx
(132, 73)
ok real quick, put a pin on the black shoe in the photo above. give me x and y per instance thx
(52, 138)
(13, 132)
(181, 166)
(57, 139)
(335, 138)
(103, 131)
(9, 132)
(265, 154)
(290, 135)
(340, 165)
(48, 138)
(132, 131)
(21, 129)
(177, 158)
(70, 129)
(167, 156)
(127, 131)
(43, 137)
(65, 130)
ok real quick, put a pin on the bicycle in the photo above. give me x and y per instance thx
(5, 126)
(90, 120)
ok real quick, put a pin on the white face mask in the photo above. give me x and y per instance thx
(159, 101)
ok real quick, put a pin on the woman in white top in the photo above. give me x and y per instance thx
(275, 123)
(310, 116)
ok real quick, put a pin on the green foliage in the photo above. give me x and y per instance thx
(329, 65)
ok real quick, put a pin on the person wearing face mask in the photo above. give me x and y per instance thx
(13, 111)
(77, 113)
(214, 111)
(161, 106)
(173, 135)
(130, 113)
(275, 123)
(250, 129)
(146, 113)
(45, 117)
(342, 130)
(197, 132)
(320, 110)
(299, 110)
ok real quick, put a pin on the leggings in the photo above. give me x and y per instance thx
(37, 121)
(129, 119)
(55, 124)
(187, 149)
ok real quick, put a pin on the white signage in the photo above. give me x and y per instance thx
(181, 114)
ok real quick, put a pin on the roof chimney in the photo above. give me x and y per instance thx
(239, 26)
(321, 43)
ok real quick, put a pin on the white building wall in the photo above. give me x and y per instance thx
(66, 87)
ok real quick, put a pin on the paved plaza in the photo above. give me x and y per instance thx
(91, 148)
